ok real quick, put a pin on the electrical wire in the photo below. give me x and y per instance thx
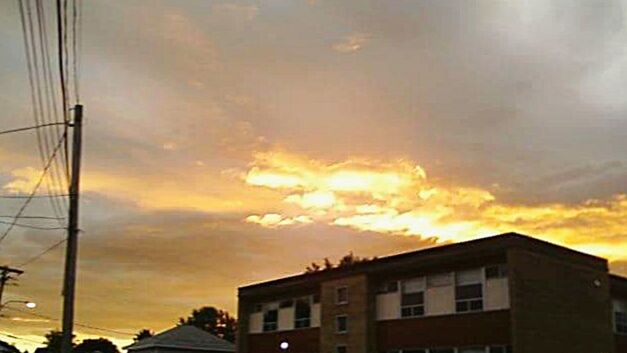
(76, 46)
(41, 254)
(34, 191)
(31, 217)
(19, 338)
(29, 128)
(39, 114)
(60, 41)
(50, 86)
(30, 49)
(46, 111)
(30, 226)
(32, 197)
(92, 327)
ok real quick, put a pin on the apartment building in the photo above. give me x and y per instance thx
(506, 293)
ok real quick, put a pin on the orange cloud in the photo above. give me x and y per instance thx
(351, 43)
(273, 220)
(397, 198)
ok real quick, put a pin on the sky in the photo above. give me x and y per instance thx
(232, 142)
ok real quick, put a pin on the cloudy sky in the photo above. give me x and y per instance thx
(230, 142)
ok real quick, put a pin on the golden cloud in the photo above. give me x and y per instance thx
(397, 198)
(273, 220)
(351, 43)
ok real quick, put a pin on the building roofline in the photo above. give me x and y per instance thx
(616, 277)
(133, 348)
(499, 241)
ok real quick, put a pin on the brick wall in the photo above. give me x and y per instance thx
(358, 310)
(556, 306)
(473, 329)
(300, 341)
(621, 343)
(243, 310)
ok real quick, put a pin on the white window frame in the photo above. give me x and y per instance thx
(482, 281)
(617, 305)
(263, 320)
(309, 299)
(411, 307)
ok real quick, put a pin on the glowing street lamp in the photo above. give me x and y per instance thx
(284, 345)
(27, 303)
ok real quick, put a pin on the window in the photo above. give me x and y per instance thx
(620, 316)
(341, 295)
(471, 350)
(341, 349)
(469, 298)
(413, 298)
(302, 313)
(468, 291)
(388, 287)
(620, 322)
(341, 324)
(496, 271)
(270, 320)
(442, 350)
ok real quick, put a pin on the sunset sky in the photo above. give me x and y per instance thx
(231, 142)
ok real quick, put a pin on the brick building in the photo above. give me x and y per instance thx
(507, 293)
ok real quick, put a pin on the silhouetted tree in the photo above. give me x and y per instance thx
(53, 341)
(351, 259)
(215, 321)
(8, 348)
(347, 260)
(143, 333)
(101, 345)
(314, 267)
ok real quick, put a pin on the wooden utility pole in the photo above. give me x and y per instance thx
(69, 283)
(5, 276)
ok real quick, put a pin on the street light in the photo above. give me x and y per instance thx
(27, 303)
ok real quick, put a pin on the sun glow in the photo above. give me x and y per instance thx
(397, 198)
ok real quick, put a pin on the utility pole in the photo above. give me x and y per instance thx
(5, 276)
(69, 283)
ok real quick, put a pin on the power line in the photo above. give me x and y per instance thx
(53, 182)
(29, 128)
(60, 43)
(76, 32)
(41, 254)
(20, 338)
(32, 197)
(92, 327)
(32, 217)
(47, 71)
(34, 191)
(38, 108)
(14, 224)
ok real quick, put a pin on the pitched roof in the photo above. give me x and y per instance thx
(184, 337)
